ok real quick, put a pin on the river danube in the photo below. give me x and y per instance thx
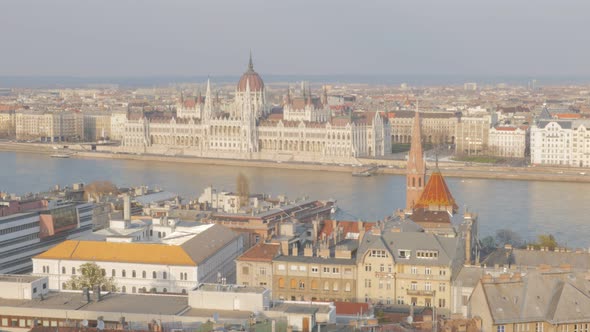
(527, 207)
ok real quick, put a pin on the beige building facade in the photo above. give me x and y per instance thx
(48, 126)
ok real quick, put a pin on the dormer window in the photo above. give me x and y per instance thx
(427, 254)
(404, 253)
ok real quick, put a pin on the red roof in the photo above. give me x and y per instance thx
(506, 128)
(262, 252)
(347, 227)
(436, 193)
(568, 116)
(351, 308)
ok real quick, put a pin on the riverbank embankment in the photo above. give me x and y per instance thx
(388, 166)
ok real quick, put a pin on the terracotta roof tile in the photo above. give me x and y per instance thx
(262, 252)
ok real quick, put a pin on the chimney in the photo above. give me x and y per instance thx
(308, 250)
(324, 251)
(295, 251)
(508, 246)
(361, 227)
(126, 208)
(97, 295)
(85, 295)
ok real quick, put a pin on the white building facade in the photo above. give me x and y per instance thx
(561, 142)
(246, 130)
(173, 265)
(508, 142)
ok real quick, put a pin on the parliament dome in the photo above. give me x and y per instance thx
(251, 77)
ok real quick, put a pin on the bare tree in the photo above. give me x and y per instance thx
(95, 190)
(243, 187)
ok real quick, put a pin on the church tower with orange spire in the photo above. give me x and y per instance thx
(416, 167)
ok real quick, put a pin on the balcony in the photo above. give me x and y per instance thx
(421, 292)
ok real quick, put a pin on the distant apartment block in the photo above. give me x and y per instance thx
(49, 127)
(507, 141)
(561, 142)
(97, 126)
(473, 132)
(437, 127)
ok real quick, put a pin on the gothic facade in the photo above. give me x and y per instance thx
(246, 129)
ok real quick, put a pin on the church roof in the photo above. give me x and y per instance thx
(436, 193)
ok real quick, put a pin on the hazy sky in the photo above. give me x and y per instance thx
(145, 38)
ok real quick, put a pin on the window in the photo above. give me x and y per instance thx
(442, 303)
(314, 269)
(400, 300)
(262, 271)
(154, 275)
(301, 284)
(133, 274)
(123, 273)
(414, 286)
(293, 283)
(347, 287)
(293, 267)
(113, 273)
(442, 287)
(427, 286)
(326, 269)
(388, 284)
(63, 270)
(378, 253)
(414, 270)
(538, 327)
(380, 284)
(245, 270)
(124, 289)
(314, 284)
(500, 328)
(405, 254)
(281, 283)
(326, 285)
(144, 274)
(428, 271)
(368, 268)
(103, 272)
(382, 268)
(442, 272)
(164, 275)
(281, 267)
(34, 290)
(73, 270)
(335, 270)
(367, 283)
(302, 268)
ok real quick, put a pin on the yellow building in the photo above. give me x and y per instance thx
(399, 263)
(254, 267)
(326, 275)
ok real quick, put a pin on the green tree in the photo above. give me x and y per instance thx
(547, 241)
(90, 275)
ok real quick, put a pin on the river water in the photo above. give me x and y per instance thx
(527, 207)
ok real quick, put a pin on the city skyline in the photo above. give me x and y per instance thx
(180, 38)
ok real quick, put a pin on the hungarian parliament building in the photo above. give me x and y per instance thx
(305, 129)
